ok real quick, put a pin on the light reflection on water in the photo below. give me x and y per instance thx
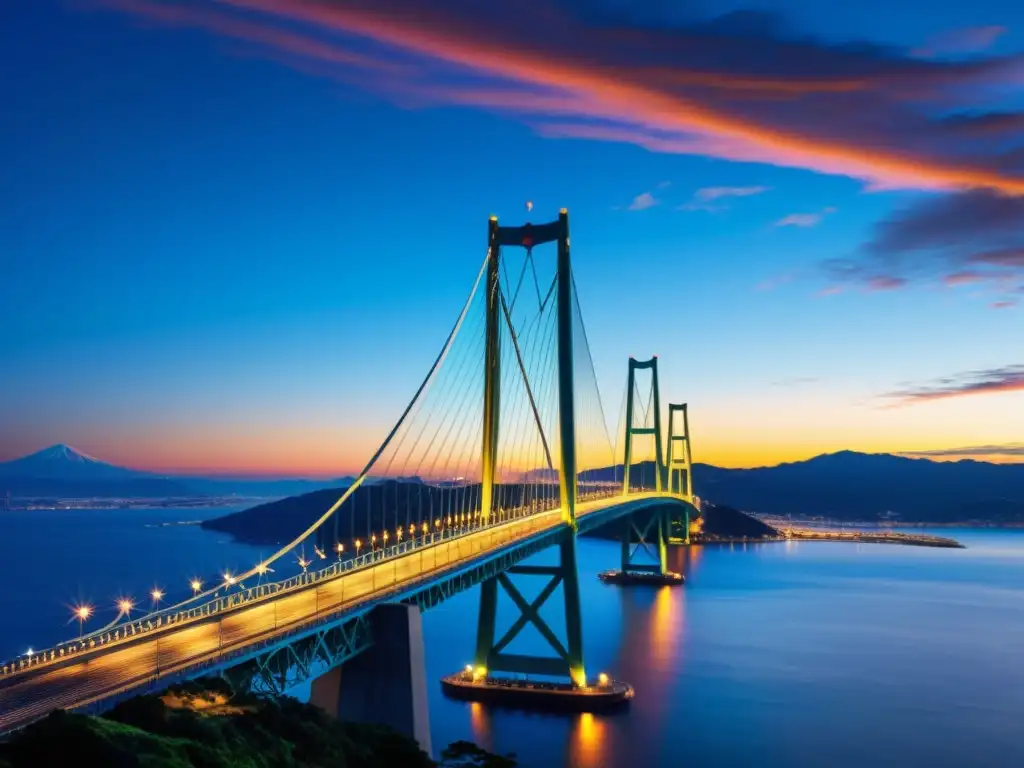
(780, 654)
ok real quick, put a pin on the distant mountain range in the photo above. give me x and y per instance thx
(845, 485)
(868, 486)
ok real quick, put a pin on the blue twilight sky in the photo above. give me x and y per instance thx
(234, 233)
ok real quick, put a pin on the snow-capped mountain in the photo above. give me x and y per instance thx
(62, 462)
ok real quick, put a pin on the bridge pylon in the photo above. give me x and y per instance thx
(653, 430)
(647, 532)
(567, 658)
(678, 465)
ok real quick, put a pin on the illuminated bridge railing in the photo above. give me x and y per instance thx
(162, 620)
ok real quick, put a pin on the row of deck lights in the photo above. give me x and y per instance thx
(125, 605)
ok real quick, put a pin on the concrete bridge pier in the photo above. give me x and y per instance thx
(386, 684)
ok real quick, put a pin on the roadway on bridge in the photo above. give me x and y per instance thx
(104, 672)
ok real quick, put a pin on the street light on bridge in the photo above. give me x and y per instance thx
(125, 606)
(82, 612)
(196, 585)
(157, 594)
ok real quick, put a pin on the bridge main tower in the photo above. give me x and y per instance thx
(490, 653)
(649, 532)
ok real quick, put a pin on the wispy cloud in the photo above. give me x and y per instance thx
(804, 219)
(958, 41)
(738, 87)
(771, 283)
(969, 238)
(796, 381)
(970, 451)
(962, 278)
(885, 283)
(706, 199)
(1004, 304)
(1009, 378)
(642, 202)
(708, 194)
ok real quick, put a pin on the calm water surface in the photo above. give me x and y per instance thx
(799, 654)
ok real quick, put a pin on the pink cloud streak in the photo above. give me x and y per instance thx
(646, 110)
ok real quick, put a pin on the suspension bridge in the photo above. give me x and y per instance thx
(502, 452)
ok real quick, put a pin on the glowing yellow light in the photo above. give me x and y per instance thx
(229, 579)
(399, 533)
(359, 543)
(412, 529)
(373, 538)
(564, 210)
(469, 669)
(437, 523)
(261, 568)
(602, 679)
(424, 527)
(124, 605)
(385, 537)
(196, 585)
(157, 595)
(340, 547)
(83, 612)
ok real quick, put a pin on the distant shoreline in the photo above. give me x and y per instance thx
(195, 502)
(850, 537)
(883, 524)
(911, 539)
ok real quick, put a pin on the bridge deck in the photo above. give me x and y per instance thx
(96, 674)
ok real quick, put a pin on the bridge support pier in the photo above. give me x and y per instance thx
(567, 660)
(386, 684)
(651, 537)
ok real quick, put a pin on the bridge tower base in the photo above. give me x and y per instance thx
(386, 684)
(650, 537)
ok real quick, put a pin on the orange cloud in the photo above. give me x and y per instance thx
(665, 109)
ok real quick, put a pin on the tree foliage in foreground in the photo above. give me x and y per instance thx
(245, 732)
